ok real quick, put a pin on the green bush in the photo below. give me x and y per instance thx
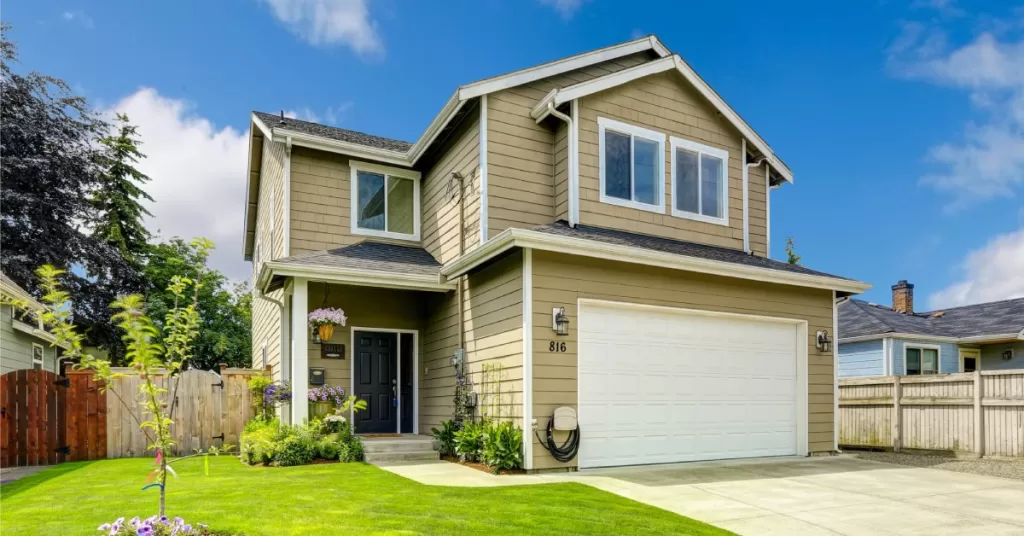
(328, 448)
(351, 449)
(445, 438)
(260, 440)
(502, 446)
(469, 442)
(270, 443)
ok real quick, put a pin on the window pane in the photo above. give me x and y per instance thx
(686, 181)
(645, 171)
(400, 205)
(711, 186)
(930, 360)
(913, 361)
(970, 364)
(617, 160)
(371, 201)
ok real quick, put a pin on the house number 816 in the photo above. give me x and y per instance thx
(556, 346)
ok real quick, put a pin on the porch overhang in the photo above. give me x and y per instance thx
(560, 243)
(274, 274)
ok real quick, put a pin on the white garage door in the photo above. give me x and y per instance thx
(659, 385)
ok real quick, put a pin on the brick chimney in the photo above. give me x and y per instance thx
(903, 297)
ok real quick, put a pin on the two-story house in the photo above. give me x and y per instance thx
(598, 226)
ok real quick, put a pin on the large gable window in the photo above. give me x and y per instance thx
(385, 201)
(922, 360)
(631, 165)
(700, 182)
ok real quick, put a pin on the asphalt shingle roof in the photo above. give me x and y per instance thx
(677, 247)
(371, 256)
(859, 318)
(334, 133)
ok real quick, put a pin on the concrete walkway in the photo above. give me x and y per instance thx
(10, 474)
(807, 496)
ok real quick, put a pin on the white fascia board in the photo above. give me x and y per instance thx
(351, 149)
(448, 111)
(532, 74)
(525, 238)
(350, 276)
(267, 133)
(975, 339)
(40, 334)
(609, 81)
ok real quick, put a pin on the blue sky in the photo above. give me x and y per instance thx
(902, 121)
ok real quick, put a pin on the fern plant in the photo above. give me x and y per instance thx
(445, 438)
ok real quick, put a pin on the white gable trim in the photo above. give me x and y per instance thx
(583, 89)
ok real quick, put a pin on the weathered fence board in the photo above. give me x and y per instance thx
(980, 413)
(210, 410)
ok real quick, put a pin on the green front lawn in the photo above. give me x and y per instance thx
(75, 498)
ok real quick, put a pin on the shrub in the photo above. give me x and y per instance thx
(351, 449)
(470, 441)
(445, 438)
(502, 446)
(260, 440)
(328, 448)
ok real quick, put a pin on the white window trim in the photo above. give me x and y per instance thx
(938, 357)
(387, 171)
(970, 352)
(633, 131)
(701, 149)
(42, 356)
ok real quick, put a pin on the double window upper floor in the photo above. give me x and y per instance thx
(651, 154)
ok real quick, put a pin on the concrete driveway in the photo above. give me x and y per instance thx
(807, 496)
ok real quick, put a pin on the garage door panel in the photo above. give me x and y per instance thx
(661, 386)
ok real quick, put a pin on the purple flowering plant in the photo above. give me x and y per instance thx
(327, 393)
(327, 316)
(153, 526)
(277, 393)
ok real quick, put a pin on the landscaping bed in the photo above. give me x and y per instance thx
(354, 498)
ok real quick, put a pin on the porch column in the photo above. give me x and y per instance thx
(300, 351)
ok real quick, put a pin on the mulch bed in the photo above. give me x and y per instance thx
(482, 467)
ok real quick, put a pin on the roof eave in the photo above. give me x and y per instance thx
(427, 282)
(526, 238)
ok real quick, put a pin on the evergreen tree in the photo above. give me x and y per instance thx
(118, 198)
(791, 256)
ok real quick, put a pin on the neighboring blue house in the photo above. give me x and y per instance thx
(877, 340)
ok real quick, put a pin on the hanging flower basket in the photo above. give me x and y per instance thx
(324, 320)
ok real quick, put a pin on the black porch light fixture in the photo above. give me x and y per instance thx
(560, 321)
(823, 342)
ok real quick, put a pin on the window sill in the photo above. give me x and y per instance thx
(385, 234)
(723, 221)
(657, 209)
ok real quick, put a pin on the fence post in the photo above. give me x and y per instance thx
(979, 416)
(897, 414)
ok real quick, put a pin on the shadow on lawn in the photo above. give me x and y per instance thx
(26, 483)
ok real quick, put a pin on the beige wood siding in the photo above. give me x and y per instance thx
(365, 307)
(494, 334)
(440, 218)
(665, 103)
(266, 316)
(757, 204)
(561, 159)
(521, 154)
(562, 280)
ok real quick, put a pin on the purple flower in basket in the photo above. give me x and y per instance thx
(327, 393)
(277, 393)
(327, 316)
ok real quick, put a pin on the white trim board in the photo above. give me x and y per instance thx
(350, 276)
(482, 127)
(527, 238)
(528, 421)
(415, 373)
(974, 339)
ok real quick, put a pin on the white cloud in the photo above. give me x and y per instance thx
(944, 7)
(331, 22)
(79, 17)
(333, 115)
(197, 172)
(988, 162)
(304, 114)
(565, 8)
(993, 272)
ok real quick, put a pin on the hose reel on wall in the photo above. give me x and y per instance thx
(563, 419)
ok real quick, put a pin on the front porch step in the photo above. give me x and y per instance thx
(388, 446)
(401, 457)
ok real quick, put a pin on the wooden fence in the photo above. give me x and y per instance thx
(211, 411)
(979, 413)
(47, 419)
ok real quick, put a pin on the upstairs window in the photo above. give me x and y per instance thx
(631, 162)
(922, 360)
(700, 182)
(37, 356)
(385, 201)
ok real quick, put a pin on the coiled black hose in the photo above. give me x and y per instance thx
(564, 452)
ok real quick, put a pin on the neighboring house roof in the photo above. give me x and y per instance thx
(653, 251)
(377, 262)
(334, 133)
(993, 320)
(11, 289)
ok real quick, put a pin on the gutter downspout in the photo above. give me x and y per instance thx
(287, 200)
(572, 179)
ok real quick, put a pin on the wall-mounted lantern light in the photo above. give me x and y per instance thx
(559, 321)
(315, 334)
(823, 342)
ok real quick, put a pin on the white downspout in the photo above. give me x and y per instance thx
(287, 208)
(570, 149)
(768, 209)
(746, 210)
